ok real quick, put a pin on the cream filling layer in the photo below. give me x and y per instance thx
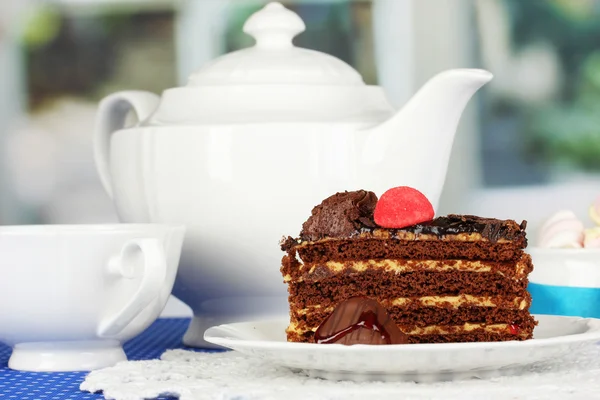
(401, 266)
(519, 303)
(431, 330)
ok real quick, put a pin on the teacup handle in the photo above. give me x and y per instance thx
(112, 112)
(153, 274)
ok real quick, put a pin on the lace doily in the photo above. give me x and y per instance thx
(232, 376)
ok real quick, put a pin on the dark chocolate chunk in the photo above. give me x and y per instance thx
(341, 215)
(359, 320)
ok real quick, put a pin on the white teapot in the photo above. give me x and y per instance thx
(256, 139)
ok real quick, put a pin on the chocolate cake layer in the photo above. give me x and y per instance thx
(293, 270)
(411, 303)
(522, 330)
(473, 336)
(442, 329)
(381, 285)
(407, 319)
(380, 249)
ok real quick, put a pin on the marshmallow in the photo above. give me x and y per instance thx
(594, 211)
(591, 238)
(562, 230)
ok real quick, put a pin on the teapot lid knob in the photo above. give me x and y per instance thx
(274, 27)
(274, 60)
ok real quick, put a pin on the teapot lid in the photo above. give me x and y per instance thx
(274, 59)
(272, 81)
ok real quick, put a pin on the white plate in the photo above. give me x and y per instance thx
(554, 337)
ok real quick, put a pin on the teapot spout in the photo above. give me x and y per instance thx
(417, 140)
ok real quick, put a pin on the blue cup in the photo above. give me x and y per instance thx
(565, 282)
(565, 300)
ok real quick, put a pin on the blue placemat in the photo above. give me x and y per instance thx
(15, 385)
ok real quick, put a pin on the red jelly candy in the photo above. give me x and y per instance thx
(402, 206)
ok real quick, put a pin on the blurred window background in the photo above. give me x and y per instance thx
(528, 144)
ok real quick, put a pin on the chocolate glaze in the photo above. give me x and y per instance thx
(359, 320)
(489, 228)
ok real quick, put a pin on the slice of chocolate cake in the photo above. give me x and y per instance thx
(457, 278)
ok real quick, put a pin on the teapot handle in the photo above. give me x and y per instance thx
(111, 116)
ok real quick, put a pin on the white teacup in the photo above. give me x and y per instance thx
(70, 295)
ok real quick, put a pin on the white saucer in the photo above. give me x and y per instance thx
(554, 337)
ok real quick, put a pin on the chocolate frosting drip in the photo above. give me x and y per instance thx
(489, 228)
(340, 215)
(359, 320)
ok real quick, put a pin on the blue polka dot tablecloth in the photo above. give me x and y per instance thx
(16, 385)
